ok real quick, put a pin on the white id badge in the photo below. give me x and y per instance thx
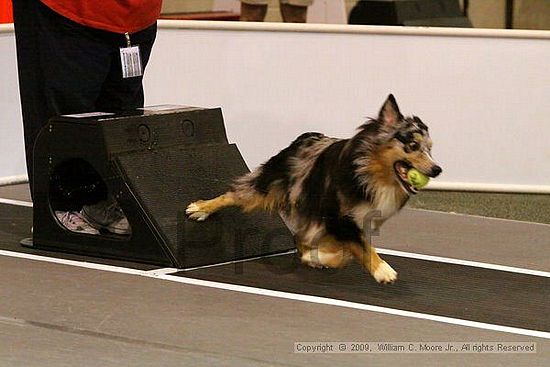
(130, 59)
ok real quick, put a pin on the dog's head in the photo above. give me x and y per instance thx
(403, 143)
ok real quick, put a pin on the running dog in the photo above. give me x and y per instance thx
(329, 190)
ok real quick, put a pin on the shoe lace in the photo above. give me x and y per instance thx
(74, 219)
(114, 211)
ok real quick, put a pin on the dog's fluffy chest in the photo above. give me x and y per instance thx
(387, 203)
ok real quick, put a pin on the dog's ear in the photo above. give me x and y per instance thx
(389, 113)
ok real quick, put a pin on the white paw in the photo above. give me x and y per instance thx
(384, 273)
(195, 212)
(308, 259)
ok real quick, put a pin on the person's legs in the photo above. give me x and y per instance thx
(67, 68)
(61, 67)
(294, 11)
(75, 61)
(121, 94)
(253, 10)
(31, 80)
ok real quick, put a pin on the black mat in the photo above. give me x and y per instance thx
(457, 291)
(16, 223)
(469, 293)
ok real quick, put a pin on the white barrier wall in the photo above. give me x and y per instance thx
(12, 151)
(484, 94)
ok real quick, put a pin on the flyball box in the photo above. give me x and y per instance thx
(154, 162)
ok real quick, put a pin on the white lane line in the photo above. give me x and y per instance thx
(411, 255)
(355, 305)
(475, 264)
(16, 202)
(80, 264)
(477, 216)
(284, 295)
(163, 271)
(14, 180)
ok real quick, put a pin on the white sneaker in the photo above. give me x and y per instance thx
(106, 215)
(74, 222)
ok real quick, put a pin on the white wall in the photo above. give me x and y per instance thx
(486, 99)
(484, 95)
(12, 151)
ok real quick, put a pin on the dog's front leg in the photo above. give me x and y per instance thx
(369, 259)
(200, 210)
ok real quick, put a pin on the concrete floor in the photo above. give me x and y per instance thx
(58, 315)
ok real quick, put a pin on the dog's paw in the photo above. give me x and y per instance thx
(384, 273)
(311, 261)
(196, 211)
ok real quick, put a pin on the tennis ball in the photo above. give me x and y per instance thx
(417, 178)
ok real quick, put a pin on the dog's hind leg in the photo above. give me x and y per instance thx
(367, 256)
(327, 253)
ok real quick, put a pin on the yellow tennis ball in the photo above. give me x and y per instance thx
(417, 178)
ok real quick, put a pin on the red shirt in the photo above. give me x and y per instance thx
(119, 16)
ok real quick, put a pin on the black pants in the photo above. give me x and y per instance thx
(66, 68)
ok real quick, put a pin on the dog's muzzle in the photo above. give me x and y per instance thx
(401, 169)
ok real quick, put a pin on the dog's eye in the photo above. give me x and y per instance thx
(413, 146)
